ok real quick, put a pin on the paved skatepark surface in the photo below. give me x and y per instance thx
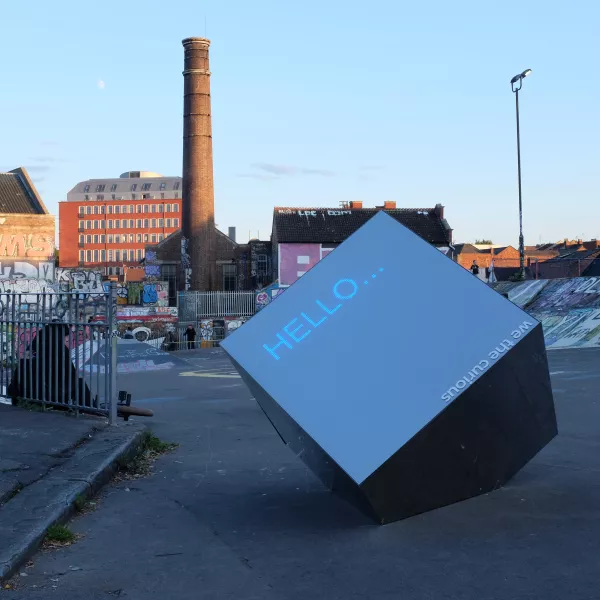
(232, 513)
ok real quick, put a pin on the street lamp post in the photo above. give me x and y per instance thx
(517, 83)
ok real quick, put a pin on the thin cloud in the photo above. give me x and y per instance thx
(38, 168)
(38, 179)
(288, 170)
(101, 84)
(48, 159)
(370, 168)
(321, 172)
(258, 176)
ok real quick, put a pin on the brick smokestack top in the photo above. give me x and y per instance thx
(198, 210)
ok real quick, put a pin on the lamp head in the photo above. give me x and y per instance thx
(520, 76)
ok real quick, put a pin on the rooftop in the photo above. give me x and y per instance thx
(127, 184)
(334, 225)
(18, 194)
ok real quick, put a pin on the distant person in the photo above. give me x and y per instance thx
(190, 336)
(170, 341)
(129, 334)
(475, 268)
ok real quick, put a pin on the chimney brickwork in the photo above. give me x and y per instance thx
(198, 207)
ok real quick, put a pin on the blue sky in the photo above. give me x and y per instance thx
(315, 103)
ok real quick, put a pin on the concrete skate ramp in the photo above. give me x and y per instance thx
(569, 309)
(140, 357)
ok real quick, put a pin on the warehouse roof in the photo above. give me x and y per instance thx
(334, 225)
(18, 194)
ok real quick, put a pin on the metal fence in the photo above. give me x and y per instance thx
(53, 355)
(199, 305)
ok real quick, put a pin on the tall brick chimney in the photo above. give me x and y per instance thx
(198, 205)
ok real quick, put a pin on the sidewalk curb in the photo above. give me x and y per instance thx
(52, 499)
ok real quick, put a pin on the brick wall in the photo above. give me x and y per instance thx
(509, 257)
(228, 253)
(26, 236)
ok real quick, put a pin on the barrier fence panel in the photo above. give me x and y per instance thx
(52, 356)
(197, 305)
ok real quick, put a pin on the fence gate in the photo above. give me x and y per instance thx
(57, 350)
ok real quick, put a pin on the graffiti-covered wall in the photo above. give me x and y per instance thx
(26, 246)
(143, 294)
(569, 309)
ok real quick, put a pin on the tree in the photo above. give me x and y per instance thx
(484, 242)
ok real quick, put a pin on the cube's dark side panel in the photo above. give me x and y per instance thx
(477, 443)
(305, 448)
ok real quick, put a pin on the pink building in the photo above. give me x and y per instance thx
(303, 236)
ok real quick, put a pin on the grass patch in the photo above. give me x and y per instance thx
(59, 534)
(81, 503)
(141, 466)
(155, 444)
(31, 406)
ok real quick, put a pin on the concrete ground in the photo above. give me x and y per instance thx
(32, 443)
(232, 514)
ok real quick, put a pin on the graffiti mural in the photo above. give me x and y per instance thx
(566, 294)
(232, 324)
(151, 268)
(525, 292)
(150, 294)
(122, 293)
(206, 330)
(152, 271)
(134, 293)
(186, 264)
(86, 282)
(21, 269)
(29, 245)
(165, 314)
(30, 303)
(81, 280)
(262, 299)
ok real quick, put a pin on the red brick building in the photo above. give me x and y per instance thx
(106, 224)
(506, 258)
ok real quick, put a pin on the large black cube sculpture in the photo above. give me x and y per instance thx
(401, 380)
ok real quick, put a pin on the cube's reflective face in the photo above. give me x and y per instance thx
(374, 342)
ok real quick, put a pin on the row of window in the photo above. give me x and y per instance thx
(127, 208)
(133, 196)
(124, 238)
(101, 187)
(129, 224)
(125, 255)
(111, 270)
